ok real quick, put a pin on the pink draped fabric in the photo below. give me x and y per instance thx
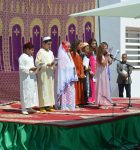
(102, 97)
(92, 62)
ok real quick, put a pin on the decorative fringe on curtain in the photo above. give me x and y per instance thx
(49, 4)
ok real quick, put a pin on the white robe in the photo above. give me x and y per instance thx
(28, 82)
(45, 78)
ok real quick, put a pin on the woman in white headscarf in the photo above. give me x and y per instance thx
(65, 77)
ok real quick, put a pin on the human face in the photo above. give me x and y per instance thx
(79, 46)
(47, 45)
(94, 44)
(30, 51)
(87, 51)
(105, 47)
(124, 57)
(68, 45)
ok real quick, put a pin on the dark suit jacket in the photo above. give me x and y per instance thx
(120, 68)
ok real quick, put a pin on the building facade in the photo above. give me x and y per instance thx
(123, 36)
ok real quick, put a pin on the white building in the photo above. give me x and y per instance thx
(121, 34)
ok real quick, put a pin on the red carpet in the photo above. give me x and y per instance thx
(81, 116)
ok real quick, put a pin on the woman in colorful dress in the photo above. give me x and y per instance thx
(66, 77)
(80, 72)
(102, 97)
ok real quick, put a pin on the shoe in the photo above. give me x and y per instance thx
(24, 112)
(90, 102)
(50, 109)
(93, 103)
(114, 104)
(31, 110)
(98, 106)
(43, 110)
(104, 107)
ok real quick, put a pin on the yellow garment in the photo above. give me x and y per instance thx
(45, 78)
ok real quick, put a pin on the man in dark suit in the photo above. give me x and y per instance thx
(124, 79)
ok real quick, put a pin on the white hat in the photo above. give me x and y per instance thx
(47, 38)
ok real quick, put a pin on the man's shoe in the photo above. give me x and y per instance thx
(50, 109)
(43, 110)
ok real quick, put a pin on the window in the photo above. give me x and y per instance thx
(132, 46)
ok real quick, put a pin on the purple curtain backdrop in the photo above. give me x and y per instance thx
(55, 39)
(22, 44)
(31, 40)
(41, 39)
(11, 54)
(11, 43)
(72, 32)
(9, 86)
(83, 37)
(88, 31)
(66, 38)
(76, 36)
(36, 39)
(16, 46)
(1, 55)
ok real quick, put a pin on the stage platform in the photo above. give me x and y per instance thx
(85, 128)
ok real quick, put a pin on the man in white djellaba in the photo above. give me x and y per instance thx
(45, 76)
(28, 81)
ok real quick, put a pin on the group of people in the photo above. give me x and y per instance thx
(79, 75)
(37, 80)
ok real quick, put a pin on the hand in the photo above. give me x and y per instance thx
(55, 62)
(125, 77)
(89, 68)
(48, 65)
(33, 69)
(41, 64)
(52, 63)
(108, 54)
(92, 74)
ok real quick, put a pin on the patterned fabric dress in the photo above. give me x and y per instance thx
(68, 98)
(65, 77)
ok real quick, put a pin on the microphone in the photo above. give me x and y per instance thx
(116, 54)
(108, 54)
(111, 55)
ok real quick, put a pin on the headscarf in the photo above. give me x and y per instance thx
(66, 72)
